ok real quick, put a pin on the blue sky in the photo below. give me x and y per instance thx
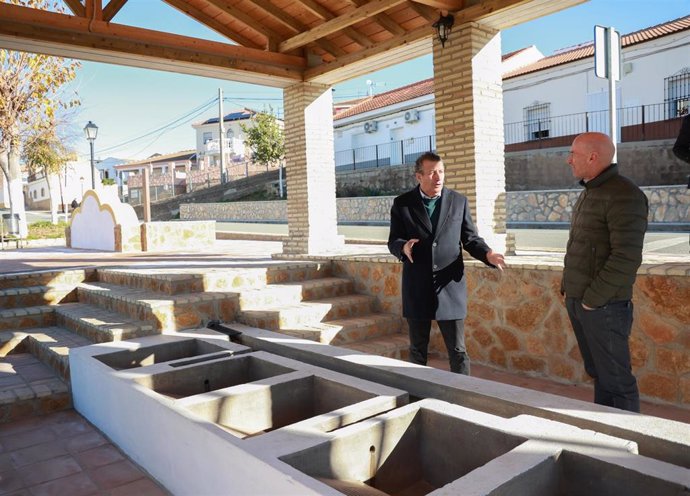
(127, 103)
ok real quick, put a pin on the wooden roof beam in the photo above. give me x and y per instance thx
(273, 38)
(112, 9)
(423, 10)
(450, 5)
(76, 7)
(338, 23)
(40, 25)
(211, 23)
(93, 9)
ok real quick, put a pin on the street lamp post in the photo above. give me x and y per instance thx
(91, 131)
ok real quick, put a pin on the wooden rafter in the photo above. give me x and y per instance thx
(272, 37)
(383, 19)
(379, 48)
(76, 7)
(450, 5)
(112, 9)
(93, 9)
(338, 23)
(295, 25)
(422, 10)
(212, 23)
(98, 35)
(327, 15)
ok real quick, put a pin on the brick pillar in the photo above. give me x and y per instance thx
(469, 125)
(310, 170)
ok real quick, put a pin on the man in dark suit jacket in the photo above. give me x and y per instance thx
(430, 225)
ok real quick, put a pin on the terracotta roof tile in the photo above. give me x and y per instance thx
(587, 50)
(414, 90)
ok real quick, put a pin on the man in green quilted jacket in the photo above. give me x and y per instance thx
(604, 251)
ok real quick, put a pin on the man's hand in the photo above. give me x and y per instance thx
(496, 259)
(407, 249)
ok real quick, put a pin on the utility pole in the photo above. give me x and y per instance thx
(221, 139)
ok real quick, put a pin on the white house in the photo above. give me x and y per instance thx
(544, 98)
(207, 137)
(66, 187)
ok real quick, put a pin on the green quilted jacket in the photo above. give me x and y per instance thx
(607, 230)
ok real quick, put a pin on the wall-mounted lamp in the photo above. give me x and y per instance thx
(443, 27)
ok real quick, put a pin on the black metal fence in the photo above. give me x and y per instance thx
(394, 153)
(640, 123)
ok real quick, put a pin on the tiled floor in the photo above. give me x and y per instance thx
(62, 454)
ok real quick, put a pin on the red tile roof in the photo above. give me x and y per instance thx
(583, 51)
(587, 50)
(414, 90)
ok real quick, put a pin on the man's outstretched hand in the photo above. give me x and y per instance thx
(496, 259)
(407, 249)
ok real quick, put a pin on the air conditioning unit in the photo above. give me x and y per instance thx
(412, 116)
(371, 127)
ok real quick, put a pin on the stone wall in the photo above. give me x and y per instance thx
(517, 321)
(667, 204)
(173, 236)
(670, 204)
(647, 163)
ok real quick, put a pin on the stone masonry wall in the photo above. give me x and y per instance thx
(170, 236)
(666, 204)
(517, 321)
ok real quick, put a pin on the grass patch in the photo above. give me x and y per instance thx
(46, 230)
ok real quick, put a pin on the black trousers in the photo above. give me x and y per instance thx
(602, 335)
(453, 332)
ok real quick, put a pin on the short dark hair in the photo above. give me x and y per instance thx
(429, 156)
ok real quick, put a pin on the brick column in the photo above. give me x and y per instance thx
(469, 125)
(310, 170)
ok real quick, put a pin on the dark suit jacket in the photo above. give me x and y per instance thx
(434, 286)
(682, 146)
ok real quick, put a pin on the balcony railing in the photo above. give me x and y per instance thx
(641, 123)
(394, 153)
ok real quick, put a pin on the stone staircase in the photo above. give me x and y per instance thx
(43, 315)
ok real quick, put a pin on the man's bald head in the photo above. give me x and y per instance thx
(590, 154)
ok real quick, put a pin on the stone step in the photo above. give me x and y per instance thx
(295, 292)
(343, 331)
(50, 345)
(23, 318)
(172, 281)
(30, 388)
(167, 313)
(30, 296)
(70, 277)
(394, 346)
(276, 317)
(99, 325)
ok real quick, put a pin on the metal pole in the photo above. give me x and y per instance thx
(221, 132)
(280, 179)
(147, 198)
(93, 167)
(613, 60)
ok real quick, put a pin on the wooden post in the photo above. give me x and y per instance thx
(146, 197)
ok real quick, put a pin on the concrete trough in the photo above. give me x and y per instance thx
(262, 406)
(163, 352)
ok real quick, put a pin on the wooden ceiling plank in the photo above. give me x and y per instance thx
(422, 10)
(408, 37)
(317, 9)
(279, 15)
(271, 36)
(383, 19)
(112, 9)
(361, 39)
(450, 5)
(338, 23)
(76, 7)
(212, 23)
(71, 28)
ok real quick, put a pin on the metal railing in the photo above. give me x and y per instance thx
(640, 123)
(394, 153)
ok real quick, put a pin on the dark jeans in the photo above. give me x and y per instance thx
(453, 332)
(602, 335)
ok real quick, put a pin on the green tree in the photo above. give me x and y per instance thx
(44, 153)
(264, 136)
(29, 96)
